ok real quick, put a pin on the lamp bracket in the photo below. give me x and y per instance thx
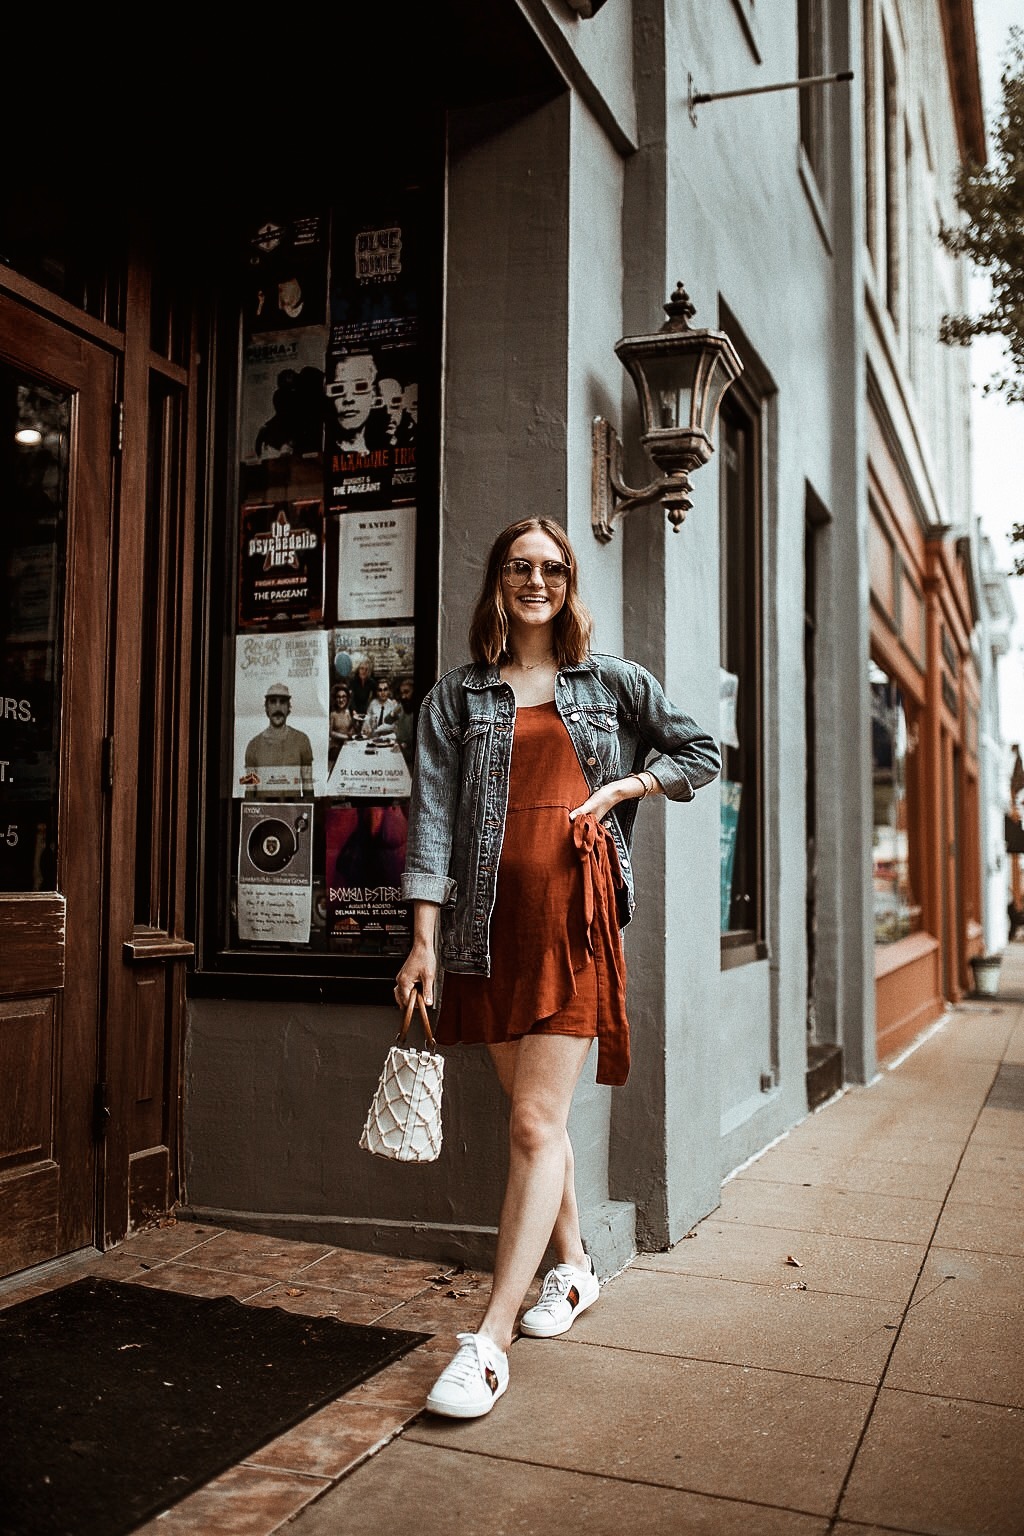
(610, 496)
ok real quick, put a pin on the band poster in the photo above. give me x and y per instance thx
(283, 395)
(372, 365)
(286, 267)
(373, 666)
(281, 564)
(376, 565)
(275, 873)
(365, 849)
(281, 708)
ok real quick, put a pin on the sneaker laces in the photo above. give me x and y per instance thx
(470, 1361)
(556, 1286)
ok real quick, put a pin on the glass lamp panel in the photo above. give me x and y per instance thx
(669, 390)
(716, 380)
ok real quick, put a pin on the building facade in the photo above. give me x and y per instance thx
(288, 392)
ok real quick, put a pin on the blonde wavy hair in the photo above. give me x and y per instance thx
(488, 630)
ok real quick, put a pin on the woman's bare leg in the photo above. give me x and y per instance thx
(539, 1073)
(566, 1239)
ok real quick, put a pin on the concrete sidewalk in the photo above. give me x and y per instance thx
(838, 1348)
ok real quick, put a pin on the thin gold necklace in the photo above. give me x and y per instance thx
(533, 665)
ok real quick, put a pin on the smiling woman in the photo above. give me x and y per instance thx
(530, 761)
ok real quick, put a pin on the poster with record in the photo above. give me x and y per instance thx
(275, 873)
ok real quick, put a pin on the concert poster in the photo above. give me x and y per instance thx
(365, 852)
(372, 367)
(283, 405)
(281, 564)
(376, 565)
(275, 873)
(286, 260)
(281, 708)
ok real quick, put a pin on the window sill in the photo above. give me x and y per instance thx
(741, 947)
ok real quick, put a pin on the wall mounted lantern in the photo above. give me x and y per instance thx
(681, 376)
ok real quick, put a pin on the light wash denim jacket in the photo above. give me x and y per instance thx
(616, 714)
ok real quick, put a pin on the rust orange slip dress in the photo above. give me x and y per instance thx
(557, 965)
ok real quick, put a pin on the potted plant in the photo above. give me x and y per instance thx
(985, 970)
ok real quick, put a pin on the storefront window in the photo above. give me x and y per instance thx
(331, 641)
(897, 912)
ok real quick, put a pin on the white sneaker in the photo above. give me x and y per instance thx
(471, 1385)
(566, 1292)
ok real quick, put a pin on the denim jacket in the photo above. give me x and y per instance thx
(616, 715)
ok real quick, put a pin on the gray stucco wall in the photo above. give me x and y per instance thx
(562, 237)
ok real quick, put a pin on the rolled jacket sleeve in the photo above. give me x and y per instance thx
(685, 756)
(432, 807)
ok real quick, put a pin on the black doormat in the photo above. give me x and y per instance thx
(117, 1400)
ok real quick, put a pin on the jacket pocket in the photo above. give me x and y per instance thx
(603, 727)
(474, 749)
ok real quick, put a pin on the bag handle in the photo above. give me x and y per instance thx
(416, 1002)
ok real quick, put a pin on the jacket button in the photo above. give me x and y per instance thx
(591, 761)
(575, 715)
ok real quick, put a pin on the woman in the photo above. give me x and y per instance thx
(529, 763)
(361, 687)
(342, 726)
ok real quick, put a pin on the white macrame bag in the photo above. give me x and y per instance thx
(404, 1118)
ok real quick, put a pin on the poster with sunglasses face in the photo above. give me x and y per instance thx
(372, 410)
(372, 370)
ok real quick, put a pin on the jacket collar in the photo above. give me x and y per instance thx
(482, 675)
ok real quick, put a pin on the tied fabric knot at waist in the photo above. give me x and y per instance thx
(602, 878)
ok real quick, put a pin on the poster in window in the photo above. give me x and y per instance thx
(286, 270)
(376, 565)
(275, 873)
(281, 564)
(374, 300)
(372, 411)
(372, 366)
(282, 412)
(373, 664)
(281, 707)
(365, 847)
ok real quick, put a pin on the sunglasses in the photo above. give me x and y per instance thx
(518, 572)
(348, 387)
(278, 698)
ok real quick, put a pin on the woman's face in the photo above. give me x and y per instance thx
(341, 698)
(534, 604)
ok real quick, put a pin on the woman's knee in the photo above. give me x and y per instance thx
(533, 1129)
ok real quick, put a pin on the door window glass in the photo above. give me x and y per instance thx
(34, 427)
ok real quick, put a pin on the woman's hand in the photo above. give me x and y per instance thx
(610, 795)
(420, 968)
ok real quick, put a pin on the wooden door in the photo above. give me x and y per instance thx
(56, 420)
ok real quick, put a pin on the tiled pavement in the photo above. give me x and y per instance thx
(838, 1350)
